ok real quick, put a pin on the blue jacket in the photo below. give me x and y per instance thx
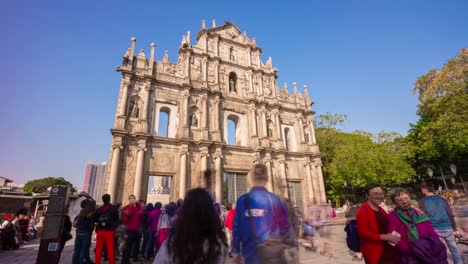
(270, 216)
(439, 212)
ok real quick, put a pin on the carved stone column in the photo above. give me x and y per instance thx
(138, 187)
(204, 167)
(283, 184)
(250, 80)
(204, 117)
(264, 123)
(253, 119)
(183, 174)
(184, 123)
(114, 172)
(267, 162)
(318, 167)
(123, 103)
(205, 70)
(309, 183)
(278, 124)
(312, 131)
(301, 127)
(219, 177)
(216, 136)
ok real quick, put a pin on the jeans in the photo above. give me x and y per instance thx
(448, 238)
(81, 250)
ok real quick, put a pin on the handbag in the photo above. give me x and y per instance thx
(429, 250)
(272, 251)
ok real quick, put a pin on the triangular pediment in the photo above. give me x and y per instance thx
(228, 31)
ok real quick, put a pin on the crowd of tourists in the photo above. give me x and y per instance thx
(17, 229)
(407, 232)
(193, 230)
(261, 227)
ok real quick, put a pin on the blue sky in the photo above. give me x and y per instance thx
(59, 85)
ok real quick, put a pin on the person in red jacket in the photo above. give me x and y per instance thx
(229, 222)
(131, 220)
(372, 225)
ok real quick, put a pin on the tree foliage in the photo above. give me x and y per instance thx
(41, 185)
(360, 157)
(440, 136)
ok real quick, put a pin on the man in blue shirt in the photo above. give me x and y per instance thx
(269, 218)
(442, 219)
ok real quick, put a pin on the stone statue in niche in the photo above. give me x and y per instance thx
(134, 110)
(194, 119)
(231, 54)
(232, 85)
(270, 132)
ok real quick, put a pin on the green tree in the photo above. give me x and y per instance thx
(440, 136)
(41, 185)
(360, 157)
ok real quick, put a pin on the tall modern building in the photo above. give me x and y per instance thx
(206, 119)
(95, 180)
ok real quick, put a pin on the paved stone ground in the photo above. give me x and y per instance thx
(336, 252)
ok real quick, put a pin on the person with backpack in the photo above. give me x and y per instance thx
(84, 224)
(261, 225)
(352, 236)
(372, 227)
(106, 221)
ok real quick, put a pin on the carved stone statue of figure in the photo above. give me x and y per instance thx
(232, 85)
(270, 132)
(194, 119)
(133, 110)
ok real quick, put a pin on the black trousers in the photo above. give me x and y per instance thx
(133, 239)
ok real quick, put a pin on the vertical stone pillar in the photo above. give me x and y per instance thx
(114, 172)
(270, 175)
(260, 85)
(278, 125)
(123, 102)
(309, 183)
(312, 131)
(147, 99)
(219, 177)
(184, 124)
(216, 47)
(249, 57)
(204, 168)
(283, 180)
(254, 119)
(251, 82)
(217, 73)
(138, 187)
(323, 197)
(301, 127)
(264, 122)
(183, 174)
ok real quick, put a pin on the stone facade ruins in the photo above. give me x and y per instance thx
(172, 122)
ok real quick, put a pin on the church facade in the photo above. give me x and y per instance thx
(206, 119)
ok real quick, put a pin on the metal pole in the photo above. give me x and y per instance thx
(354, 196)
(443, 177)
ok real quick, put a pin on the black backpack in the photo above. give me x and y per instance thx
(353, 241)
(104, 219)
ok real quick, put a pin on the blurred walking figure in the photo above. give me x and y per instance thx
(197, 236)
(106, 221)
(229, 224)
(419, 242)
(131, 220)
(165, 223)
(372, 225)
(261, 225)
(442, 219)
(153, 220)
(352, 236)
(146, 229)
(84, 224)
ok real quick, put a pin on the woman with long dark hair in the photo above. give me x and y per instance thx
(197, 235)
